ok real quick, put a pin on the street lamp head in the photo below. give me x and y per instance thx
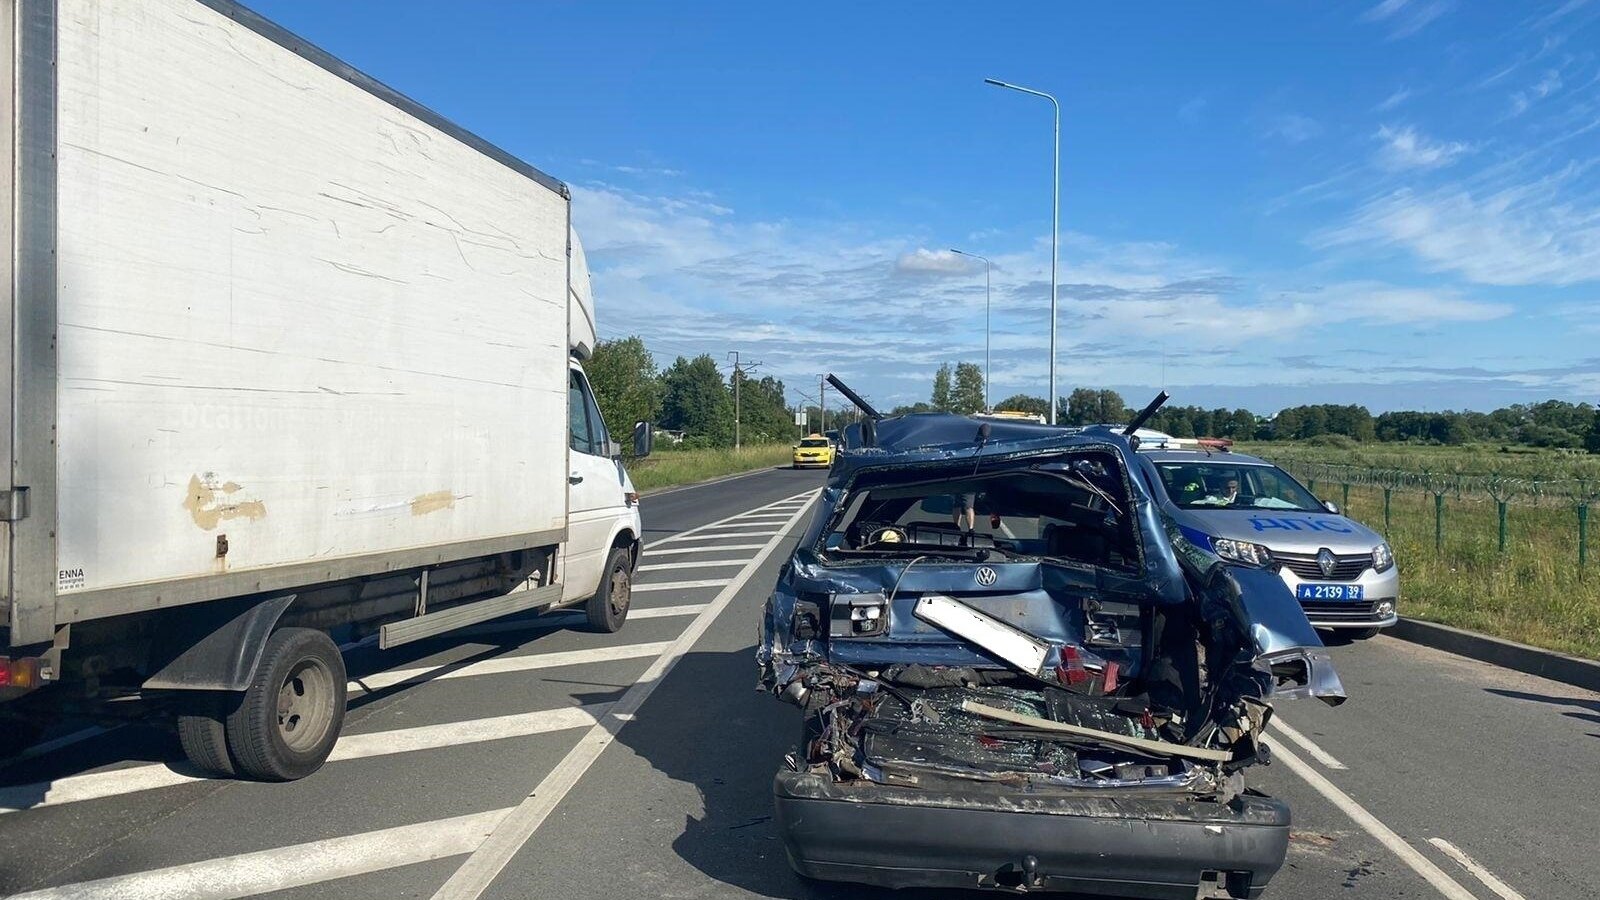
(996, 82)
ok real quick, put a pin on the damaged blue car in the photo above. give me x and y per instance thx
(1016, 673)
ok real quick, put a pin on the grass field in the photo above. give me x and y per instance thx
(667, 468)
(1532, 592)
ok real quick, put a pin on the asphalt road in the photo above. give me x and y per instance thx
(534, 759)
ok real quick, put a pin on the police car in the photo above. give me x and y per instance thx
(1249, 511)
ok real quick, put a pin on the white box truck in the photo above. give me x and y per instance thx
(291, 359)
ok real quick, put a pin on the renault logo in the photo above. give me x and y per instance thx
(987, 576)
(1326, 562)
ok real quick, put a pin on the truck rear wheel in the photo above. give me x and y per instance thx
(202, 730)
(608, 608)
(290, 716)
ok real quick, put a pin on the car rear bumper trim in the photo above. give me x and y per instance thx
(1147, 847)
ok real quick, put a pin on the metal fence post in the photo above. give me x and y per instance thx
(1438, 522)
(1502, 505)
(1346, 506)
(1583, 538)
(1386, 526)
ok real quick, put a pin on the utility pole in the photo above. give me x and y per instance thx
(822, 404)
(738, 376)
(735, 355)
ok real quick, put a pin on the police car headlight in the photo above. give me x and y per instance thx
(1382, 557)
(1242, 552)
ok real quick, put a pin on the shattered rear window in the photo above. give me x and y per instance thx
(1077, 511)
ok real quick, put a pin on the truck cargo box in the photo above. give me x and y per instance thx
(273, 323)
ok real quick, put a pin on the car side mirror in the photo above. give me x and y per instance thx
(1330, 506)
(644, 437)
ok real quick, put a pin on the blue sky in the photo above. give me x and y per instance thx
(1394, 203)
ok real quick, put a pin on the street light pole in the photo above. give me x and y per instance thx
(822, 404)
(1055, 229)
(986, 267)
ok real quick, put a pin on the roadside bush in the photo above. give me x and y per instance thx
(1336, 441)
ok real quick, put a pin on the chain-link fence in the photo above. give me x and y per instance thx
(1444, 490)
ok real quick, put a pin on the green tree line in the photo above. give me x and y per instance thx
(1552, 423)
(694, 397)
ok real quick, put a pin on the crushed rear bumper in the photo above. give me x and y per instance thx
(1154, 846)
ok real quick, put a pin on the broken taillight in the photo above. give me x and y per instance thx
(19, 673)
(1070, 670)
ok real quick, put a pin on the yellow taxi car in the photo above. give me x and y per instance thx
(813, 451)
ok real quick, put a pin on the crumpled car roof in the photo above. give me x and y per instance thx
(922, 437)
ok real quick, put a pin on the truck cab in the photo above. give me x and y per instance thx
(603, 523)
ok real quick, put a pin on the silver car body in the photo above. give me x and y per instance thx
(1320, 549)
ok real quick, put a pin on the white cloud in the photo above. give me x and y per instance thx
(690, 275)
(1406, 17)
(1385, 304)
(1548, 84)
(1405, 148)
(922, 261)
(1522, 235)
(1293, 127)
(637, 171)
(1394, 100)
(1190, 112)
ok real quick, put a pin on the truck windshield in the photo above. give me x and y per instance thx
(1218, 485)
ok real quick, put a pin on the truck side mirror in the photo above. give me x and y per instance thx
(643, 439)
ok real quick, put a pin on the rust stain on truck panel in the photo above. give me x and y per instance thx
(433, 501)
(209, 511)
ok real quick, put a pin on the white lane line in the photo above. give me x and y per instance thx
(1306, 744)
(751, 517)
(502, 665)
(652, 552)
(725, 537)
(132, 780)
(1488, 878)
(481, 868)
(561, 618)
(471, 731)
(1446, 886)
(719, 537)
(680, 585)
(692, 564)
(297, 865)
(665, 612)
(804, 498)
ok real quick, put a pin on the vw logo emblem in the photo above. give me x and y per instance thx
(1326, 562)
(987, 576)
